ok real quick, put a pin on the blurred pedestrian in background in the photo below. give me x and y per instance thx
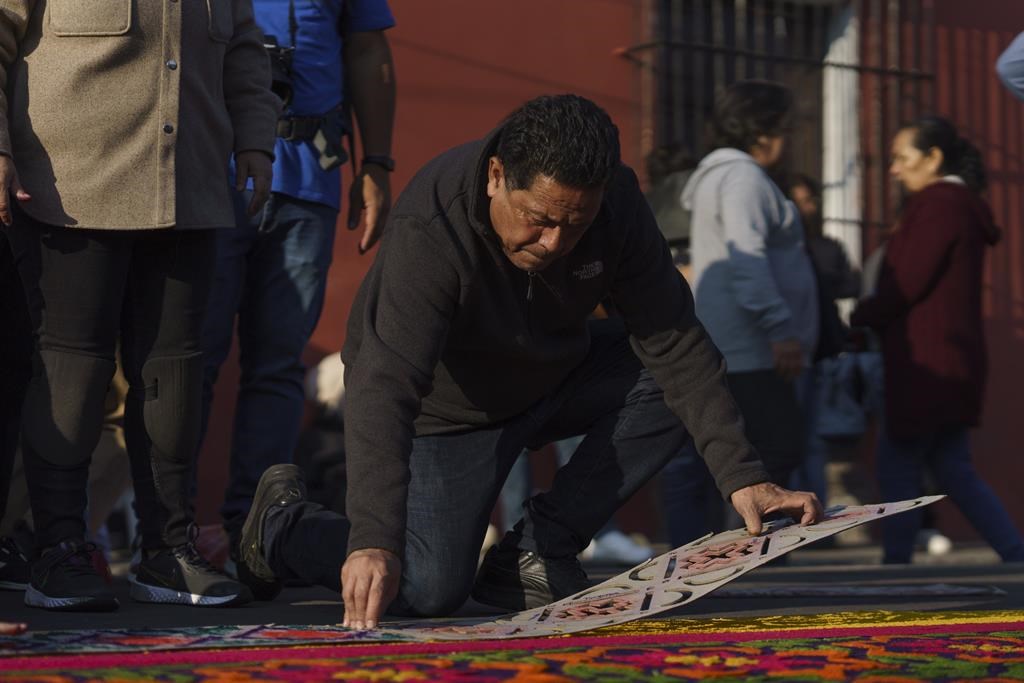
(927, 310)
(752, 278)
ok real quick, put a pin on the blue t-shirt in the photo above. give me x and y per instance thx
(317, 82)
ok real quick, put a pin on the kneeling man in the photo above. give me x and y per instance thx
(468, 341)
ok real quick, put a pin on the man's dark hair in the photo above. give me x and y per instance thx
(567, 138)
(746, 110)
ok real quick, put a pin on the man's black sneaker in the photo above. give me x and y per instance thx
(13, 566)
(65, 578)
(515, 579)
(181, 576)
(280, 486)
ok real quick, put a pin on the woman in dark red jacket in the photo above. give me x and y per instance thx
(927, 310)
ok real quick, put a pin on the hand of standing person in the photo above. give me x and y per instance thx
(369, 582)
(370, 193)
(10, 629)
(9, 186)
(258, 166)
(370, 73)
(789, 358)
(754, 502)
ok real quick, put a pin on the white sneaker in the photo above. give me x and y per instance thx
(615, 546)
(933, 542)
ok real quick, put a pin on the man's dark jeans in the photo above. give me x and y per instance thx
(271, 275)
(455, 481)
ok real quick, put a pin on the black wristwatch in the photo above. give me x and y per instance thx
(387, 163)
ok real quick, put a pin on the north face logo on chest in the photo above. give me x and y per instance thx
(588, 270)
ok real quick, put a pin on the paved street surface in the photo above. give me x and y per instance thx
(966, 565)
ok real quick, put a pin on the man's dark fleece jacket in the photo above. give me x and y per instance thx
(447, 336)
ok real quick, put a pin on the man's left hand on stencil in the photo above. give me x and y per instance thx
(753, 502)
(369, 582)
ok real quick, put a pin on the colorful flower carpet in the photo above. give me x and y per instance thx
(883, 647)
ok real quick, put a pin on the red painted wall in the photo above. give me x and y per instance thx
(970, 36)
(461, 66)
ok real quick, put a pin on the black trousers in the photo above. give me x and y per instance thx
(85, 290)
(15, 361)
(774, 420)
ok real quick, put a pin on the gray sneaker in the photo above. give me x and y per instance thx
(181, 576)
(515, 579)
(280, 486)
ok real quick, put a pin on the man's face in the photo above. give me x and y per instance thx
(542, 223)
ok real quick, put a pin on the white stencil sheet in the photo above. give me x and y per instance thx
(665, 582)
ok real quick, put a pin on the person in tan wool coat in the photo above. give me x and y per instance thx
(117, 123)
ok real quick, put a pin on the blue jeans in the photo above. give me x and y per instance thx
(693, 506)
(947, 455)
(455, 479)
(810, 473)
(271, 274)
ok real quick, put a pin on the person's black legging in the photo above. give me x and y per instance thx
(15, 362)
(86, 288)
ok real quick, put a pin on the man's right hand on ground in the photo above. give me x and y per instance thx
(789, 358)
(369, 582)
(9, 186)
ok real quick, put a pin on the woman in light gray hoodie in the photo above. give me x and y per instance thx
(753, 281)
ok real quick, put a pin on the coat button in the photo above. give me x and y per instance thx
(171, 64)
(168, 128)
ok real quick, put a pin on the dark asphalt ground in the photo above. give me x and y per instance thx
(841, 567)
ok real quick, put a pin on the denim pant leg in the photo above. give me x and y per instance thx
(281, 301)
(454, 484)
(233, 247)
(810, 474)
(455, 480)
(518, 487)
(689, 495)
(629, 435)
(900, 471)
(954, 472)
